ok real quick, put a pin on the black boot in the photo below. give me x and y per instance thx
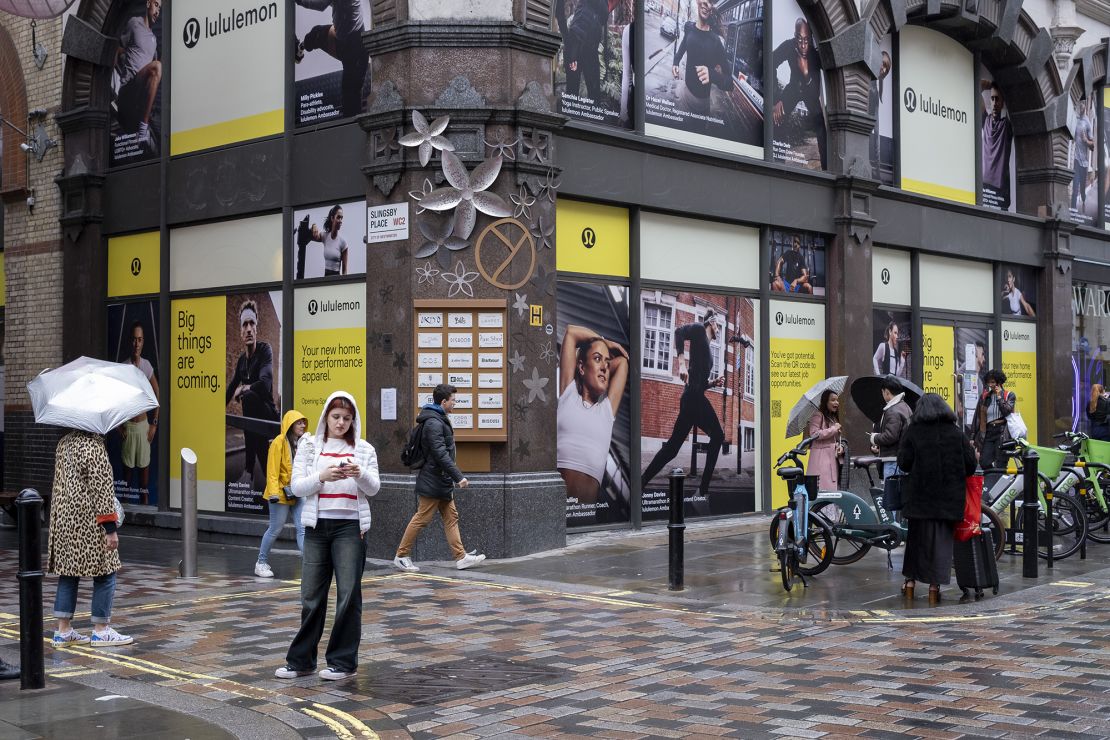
(7, 670)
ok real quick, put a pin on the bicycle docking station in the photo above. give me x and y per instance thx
(676, 529)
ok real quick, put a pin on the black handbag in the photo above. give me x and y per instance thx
(892, 492)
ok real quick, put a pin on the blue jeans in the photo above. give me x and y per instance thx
(104, 592)
(279, 513)
(333, 546)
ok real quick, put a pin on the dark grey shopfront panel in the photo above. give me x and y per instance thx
(327, 165)
(131, 199)
(224, 183)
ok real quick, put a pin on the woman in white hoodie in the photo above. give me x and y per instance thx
(335, 472)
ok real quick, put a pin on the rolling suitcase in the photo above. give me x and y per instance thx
(976, 568)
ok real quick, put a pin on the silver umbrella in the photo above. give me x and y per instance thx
(804, 409)
(91, 395)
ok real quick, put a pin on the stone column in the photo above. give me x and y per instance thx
(1055, 318)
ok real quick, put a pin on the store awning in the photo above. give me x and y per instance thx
(35, 8)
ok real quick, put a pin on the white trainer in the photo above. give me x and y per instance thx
(262, 570)
(332, 674)
(109, 638)
(469, 560)
(406, 565)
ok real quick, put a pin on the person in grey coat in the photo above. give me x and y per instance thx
(892, 425)
(435, 483)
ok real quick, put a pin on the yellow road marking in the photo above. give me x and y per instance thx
(73, 673)
(1074, 584)
(353, 721)
(336, 727)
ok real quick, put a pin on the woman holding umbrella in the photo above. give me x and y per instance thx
(824, 428)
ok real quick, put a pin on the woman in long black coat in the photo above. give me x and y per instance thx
(938, 459)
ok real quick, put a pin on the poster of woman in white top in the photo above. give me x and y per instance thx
(329, 240)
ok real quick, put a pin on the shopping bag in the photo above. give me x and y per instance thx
(1015, 425)
(968, 527)
(892, 492)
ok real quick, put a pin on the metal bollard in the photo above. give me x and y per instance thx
(1029, 510)
(33, 672)
(675, 529)
(1049, 524)
(188, 513)
(1013, 529)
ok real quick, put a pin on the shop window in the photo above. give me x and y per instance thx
(749, 373)
(716, 350)
(658, 337)
(749, 439)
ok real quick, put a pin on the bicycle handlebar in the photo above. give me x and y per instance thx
(801, 449)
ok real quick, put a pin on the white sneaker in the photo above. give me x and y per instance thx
(262, 570)
(406, 565)
(332, 674)
(469, 561)
(287, 672)
(73, 637)
(109, 638)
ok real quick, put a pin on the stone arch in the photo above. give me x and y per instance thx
(13, 107)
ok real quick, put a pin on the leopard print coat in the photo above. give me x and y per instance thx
(83, 495)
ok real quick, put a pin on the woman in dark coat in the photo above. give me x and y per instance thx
(937, 458)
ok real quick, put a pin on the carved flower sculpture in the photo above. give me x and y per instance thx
(467, 193)
(427, 136)
(460, 281)
(418, 195)
(437, 233)
(522, 203)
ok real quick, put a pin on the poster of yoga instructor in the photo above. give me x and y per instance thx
(252, 395)
(703, 74)
(133, 447)
(136, 110)
(332, 67)
(698, 401)
(593, 71)
(798, 90)
(595, 418)
(329, 240)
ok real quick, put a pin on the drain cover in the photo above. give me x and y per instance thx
(446, 681)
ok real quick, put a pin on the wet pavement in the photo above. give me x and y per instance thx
(585, 642)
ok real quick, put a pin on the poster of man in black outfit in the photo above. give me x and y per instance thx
(332, 67)
(596, 56)
(799, 109)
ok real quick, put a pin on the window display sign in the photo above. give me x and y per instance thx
(1105, 153)
(226, 84)
(136, 111)
(891, 276)
(797, 363)
(707, 245)
(134, 264)
(332, 67)
(133, 447)
(999, 162)
(937, 118)
(1083, 193)
(330, 240)
(893, 340)
(594, 416)
(798, 101)
(698, 381)
(956, 285)
(591, 239)
(593, 73)
(1019, 291)
(938, 365)
(329, 347)
(703, 74)
(798, 263)
(880, 104)
(1019, 362)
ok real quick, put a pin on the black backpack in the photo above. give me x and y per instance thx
(412, 454)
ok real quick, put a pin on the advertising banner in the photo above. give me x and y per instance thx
(798, 97)
(136, 111)
(134, 264)
(1105, 158)
(227, 84)
(880, 104)
(1083, 192)
(1019, 362)
(133, 448)
(591, 239)
(251, 396)
(593, 72)
(703, 73)
(797, 363)
(797, 262)
(706, 245)
(698, 401)
(593, 453)
(936, 137)
(937, 361)
(329, 344)
(891, 276)
(998, 167)
(329, 240)
(197, 356)
(332, 78)
(1019, 291)
(893, 339)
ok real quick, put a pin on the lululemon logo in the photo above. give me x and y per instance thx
(885, 276)
(136, 267)
(313, 307)
(589, 238)
(909, 99)
(191, 33)
(778, 318)
(1006, 335)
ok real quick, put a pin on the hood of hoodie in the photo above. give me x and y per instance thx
(291, 418)
(428, 412)
(322, 424)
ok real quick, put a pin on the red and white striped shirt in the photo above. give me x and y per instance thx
(338, 499)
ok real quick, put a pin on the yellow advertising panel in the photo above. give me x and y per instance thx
(198, 345)
(329, 348)
(1019, 362)
(937, 361)
(134, 264)
(590, 238)
(797, 363)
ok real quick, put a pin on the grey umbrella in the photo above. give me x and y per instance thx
(92, 395)
(810, 402)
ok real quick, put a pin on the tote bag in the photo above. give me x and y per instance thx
(1015, 425)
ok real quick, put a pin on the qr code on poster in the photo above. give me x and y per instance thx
(776, 409)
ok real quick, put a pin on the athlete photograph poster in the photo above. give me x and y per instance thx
(999, 160)
(891, 336)
(1019, 291)
(798, 90)
(329, 240)
(593, 442)
(136, 108)
(593, 71)
(332, 78)
(703, 73)
(698, 389)
(133, 447)
(1105, 154)
(880, 104)
(1083, 157)
(797, 262)
(252, 395)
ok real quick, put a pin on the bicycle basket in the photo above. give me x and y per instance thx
(1051, 460)
(1096, 452)
(813, 485)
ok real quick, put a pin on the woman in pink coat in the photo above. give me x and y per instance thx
(824, 427)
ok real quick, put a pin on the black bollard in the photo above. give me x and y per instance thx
(29, 508)
(1049, 525)
(675, 529)
(1012, 530)
(1029, 510)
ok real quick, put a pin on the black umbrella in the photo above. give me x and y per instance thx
(869, 398)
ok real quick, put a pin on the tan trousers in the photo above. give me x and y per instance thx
(425, 510)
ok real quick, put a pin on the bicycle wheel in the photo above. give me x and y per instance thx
(998, 530)
(820, 543)
(786, 567)
(845, 550)
(1098, 520)
(1069, 527)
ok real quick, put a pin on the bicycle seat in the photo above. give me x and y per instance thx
(790, 472)
(863, 462)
